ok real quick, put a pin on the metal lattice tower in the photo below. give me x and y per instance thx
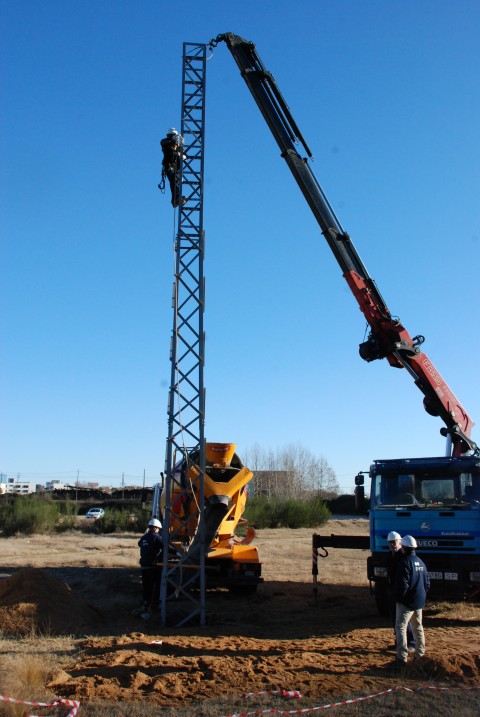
(180, 604)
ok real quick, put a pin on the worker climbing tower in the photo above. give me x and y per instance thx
(185, 451)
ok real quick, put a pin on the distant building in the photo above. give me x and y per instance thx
(56, 485)
(17, 487)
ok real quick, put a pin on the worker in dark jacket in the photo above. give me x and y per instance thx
(151, 553)
(411, 586)
(172, 148)
(394, 556)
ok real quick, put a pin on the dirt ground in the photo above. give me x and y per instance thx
(281, 638)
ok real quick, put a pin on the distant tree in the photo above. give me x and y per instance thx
(290, 472)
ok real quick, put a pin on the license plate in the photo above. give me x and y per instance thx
(451, 576)
(436, 576)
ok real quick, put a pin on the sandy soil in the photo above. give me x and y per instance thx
(281, 638)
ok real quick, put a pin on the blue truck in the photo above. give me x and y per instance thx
(437, 500)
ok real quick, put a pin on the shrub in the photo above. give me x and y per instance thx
(342, 505)
(130, 520)
(28, 514)
(317, 513)
(259, 513)
(262, 512)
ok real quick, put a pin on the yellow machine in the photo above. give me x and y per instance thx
(231, 561)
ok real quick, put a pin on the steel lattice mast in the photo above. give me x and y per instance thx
(186, 405)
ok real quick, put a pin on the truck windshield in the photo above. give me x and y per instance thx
(424, 489)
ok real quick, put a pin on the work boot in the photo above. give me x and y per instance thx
(397, 664)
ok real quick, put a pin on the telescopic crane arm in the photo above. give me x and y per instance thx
(388, 338)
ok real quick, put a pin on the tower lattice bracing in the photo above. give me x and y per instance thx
(180, 604)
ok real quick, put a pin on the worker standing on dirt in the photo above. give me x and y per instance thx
(151, 553)
(411, 586)
(393, 560)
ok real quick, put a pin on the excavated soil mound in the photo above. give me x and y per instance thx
(185, 669)
(460, 668)
(32, 602)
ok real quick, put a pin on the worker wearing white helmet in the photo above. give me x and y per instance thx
(393, 560)
(409, 542)
(172, 148)
(411, 586)
(393, 535)
(151, 554)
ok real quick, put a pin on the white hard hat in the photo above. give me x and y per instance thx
(172, 130)
(154, 523)
(408, 541)
(393, 536)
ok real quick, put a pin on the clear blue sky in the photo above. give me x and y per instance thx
(387, 96)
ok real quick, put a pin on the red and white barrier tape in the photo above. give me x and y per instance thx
(283, 693)
(342, 702)
(59, 701)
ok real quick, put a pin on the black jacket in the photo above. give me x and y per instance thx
(172, 152)
(393, 561)
(151, 549)
(411, 582)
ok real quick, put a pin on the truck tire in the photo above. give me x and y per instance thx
(381, 598)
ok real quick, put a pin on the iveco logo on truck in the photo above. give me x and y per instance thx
(428, 543)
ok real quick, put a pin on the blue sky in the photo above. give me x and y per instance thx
(386, 95)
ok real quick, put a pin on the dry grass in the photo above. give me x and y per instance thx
(23, 677)
(465, 611)
(26, 666)
(423, 702)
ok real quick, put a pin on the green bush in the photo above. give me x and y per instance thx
(276, 513)
(343, 505)
(259, 512)
(39, 514)
(28, 514)
(68, 508)
(318, 512)
(121, 520)
(65, 523)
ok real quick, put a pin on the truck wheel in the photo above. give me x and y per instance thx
(381, 599)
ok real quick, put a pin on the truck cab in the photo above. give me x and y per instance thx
(437, 501)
